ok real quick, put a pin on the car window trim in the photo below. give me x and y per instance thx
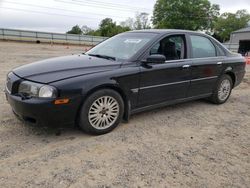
(147, 50)
(188, 46)
(197, 34)
(170, 36)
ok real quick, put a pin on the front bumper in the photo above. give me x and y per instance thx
(43, 111)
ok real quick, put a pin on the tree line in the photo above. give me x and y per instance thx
(197, 15)
(109, 28)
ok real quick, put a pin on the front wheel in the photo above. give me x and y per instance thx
(223, 90)
(101, 112)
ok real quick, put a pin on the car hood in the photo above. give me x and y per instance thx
(60, 68)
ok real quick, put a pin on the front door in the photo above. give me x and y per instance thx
(167, 81)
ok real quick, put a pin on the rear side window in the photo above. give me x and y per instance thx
(202, 47)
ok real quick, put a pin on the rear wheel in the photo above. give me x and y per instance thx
(101, 112)
(223, 90)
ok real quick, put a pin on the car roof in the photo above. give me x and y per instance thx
(164, 31)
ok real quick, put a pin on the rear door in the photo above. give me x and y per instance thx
(206, 66)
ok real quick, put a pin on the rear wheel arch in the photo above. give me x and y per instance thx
(232, 75)
(215, 98)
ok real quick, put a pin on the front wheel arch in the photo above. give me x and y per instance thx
(105, 122)
(125, 99)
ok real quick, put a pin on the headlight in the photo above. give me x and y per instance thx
(47, 92)
(31, 89)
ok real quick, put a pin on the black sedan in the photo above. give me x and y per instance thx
(126, 74)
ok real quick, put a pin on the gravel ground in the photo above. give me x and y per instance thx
(195, 144)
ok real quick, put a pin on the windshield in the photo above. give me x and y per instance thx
(123, 46)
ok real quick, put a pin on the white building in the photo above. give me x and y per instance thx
(239, 41)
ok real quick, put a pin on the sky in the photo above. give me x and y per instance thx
(60, 15)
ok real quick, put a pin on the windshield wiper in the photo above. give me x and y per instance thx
(103, 56)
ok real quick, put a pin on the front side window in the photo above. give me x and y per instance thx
(202, 47)
(172, 47)
(123, 46)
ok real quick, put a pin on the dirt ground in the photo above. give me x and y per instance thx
(195, 144)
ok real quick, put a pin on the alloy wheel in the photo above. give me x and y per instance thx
(224, 90)
(103, 112)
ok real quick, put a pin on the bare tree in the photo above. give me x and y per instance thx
(85, 29)
(142, 21)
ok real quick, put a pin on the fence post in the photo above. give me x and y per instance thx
(52, 39)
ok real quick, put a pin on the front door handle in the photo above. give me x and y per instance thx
(185, 66)
(219, 63)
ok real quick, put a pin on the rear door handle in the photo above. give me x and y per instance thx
(219, 63)
(185, 66)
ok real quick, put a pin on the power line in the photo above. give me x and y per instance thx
(98, 5)
(112, 4)
(79, 17)
(60, 9)
(47, 13)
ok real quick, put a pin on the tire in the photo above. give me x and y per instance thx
(223, 90)
(101, 112)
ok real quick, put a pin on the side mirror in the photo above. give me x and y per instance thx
(156, 58)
